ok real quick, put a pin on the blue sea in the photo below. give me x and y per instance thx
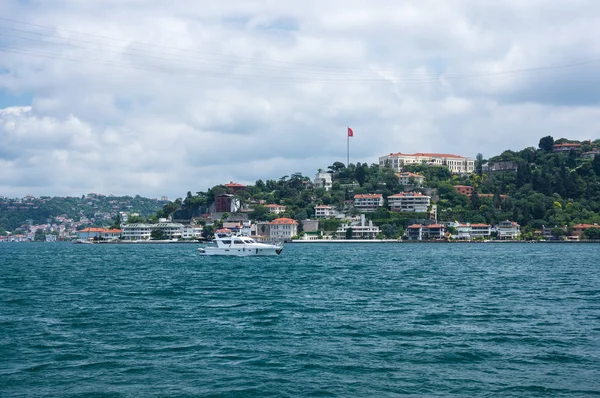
(321, 320)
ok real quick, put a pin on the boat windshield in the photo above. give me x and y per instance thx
(248, 241)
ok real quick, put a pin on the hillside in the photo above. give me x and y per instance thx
(550, 185)
(96, 209)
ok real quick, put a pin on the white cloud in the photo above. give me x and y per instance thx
(235, 90)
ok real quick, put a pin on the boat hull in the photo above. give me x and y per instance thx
(240, 252)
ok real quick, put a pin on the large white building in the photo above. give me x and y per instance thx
(469, 231)
(144, 231)
(360, 230)
(323, 180)
(456, 164)
(409, 202)
(368, 202)
(283, 228)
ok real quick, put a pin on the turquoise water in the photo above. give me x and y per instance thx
(331, 320)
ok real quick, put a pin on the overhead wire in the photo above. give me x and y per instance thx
(296, 72)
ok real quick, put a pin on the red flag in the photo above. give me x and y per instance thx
(350, 132)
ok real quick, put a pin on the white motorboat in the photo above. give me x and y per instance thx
(227, 244)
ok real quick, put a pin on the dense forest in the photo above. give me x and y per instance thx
(540, 188)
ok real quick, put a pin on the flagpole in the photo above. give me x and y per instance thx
(347, 149)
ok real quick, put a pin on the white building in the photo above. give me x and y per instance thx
(191, 232)
(360, 230)
(323, 180)
(144, 231)
(276, 209)
(410, 179)
(508, 230)
(456, 164)
(283, 228)
(409, 202)
(324, 211)
(367, 203)
(470, 231)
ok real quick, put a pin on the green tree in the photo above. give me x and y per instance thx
(479, 164)
(158, 234)
(546, 143)
(592, 233)
(39, 235)
(349, 233)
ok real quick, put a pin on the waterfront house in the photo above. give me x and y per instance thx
(424, 232)
(358, 230)
(508, 230)
(579, 229)
(283, 228)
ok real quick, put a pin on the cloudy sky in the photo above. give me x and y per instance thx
(159, 98)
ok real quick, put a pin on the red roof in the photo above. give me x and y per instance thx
(367, 196)
(407, 194)
(431, 155)
(585, 226)
(234, 185)
(284, 221)
(223, 231)
(323, 207)
(274, 205)
(436, 226)
(479, 225)
(93, 230)
(409, 174)
(567, 144)
(414, 226)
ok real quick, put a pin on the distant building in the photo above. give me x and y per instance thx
(368, 203)
(310, 225)
(283, 228)
(410, 179)
(591, 154)
(234, 187)
(456, 164)
(409, 202)
(323, 180)
(566, 147)
(579, 229)
(464, 189)
(425, 232)
(508, 230)
(470, 231)
(325, 211)
(226, 203)
(360, 230)
(276, 209)
(497, 167)
(144, 231)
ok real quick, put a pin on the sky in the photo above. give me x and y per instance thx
(130, 97)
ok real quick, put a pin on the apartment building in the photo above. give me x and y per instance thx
(409, 202)
(367, 203)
